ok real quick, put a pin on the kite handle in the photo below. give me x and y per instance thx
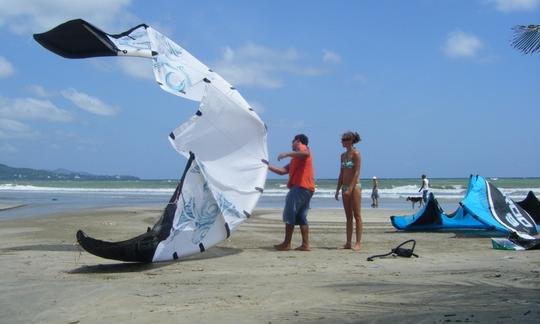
(403, 252)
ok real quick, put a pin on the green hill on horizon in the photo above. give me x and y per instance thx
(12, 173)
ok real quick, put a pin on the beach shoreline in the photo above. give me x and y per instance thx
(457, 278)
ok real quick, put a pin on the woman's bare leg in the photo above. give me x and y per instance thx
(356, 199)
(349, 215)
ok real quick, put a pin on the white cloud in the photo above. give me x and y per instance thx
(259, 66)
(253, 51)
(30, 108)
(6, 69)
(24, 17)
(507, 6)
(38, 91)
(462, 45)
(10, 128)
(137, 67)
(251, 74)
(7, 148)
(88, 103)
(331, 57)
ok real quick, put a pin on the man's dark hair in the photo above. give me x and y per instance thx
(302, 138)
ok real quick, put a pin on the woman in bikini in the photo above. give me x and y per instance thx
(349, 184)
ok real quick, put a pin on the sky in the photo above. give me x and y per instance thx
(432, 87)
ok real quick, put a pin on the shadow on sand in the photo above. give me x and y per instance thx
(43, 247)
(215, 252)
(465, 233)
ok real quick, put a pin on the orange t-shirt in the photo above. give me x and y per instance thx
(301, 171)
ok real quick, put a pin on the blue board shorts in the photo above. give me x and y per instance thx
(297, 206)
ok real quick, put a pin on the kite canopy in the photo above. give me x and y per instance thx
(432, 217)
(225, 142)
(484, 207)
(77, 39)
(493, 208)
(531, 204)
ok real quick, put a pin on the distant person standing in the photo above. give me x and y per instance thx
(301, 186)
(424, 188)
(375, 193)
(351, 190)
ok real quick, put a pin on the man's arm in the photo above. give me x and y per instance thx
(293, 154)
(278, 170)
(275, 169)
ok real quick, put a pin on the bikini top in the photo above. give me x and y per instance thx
(347, 164)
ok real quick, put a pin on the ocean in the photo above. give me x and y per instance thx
(40, 198)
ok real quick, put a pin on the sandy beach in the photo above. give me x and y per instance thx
(458, 277)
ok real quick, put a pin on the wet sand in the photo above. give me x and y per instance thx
(457, 278)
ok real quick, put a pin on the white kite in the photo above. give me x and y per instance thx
(225, 143)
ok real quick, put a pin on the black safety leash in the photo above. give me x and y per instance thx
(399, 251)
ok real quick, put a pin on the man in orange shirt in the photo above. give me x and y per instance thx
(301, 186)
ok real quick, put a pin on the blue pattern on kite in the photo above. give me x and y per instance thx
(138, 39)
(227, 208)
(202, 215)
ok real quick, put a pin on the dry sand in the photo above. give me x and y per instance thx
(458, 277)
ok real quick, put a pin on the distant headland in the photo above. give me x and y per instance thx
(12, 173)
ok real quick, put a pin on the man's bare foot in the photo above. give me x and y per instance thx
(347, 246)
(303, 248)
(282, 247)
(356, 247)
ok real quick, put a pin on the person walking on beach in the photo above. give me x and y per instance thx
(301, 186)
(375, 193)
(351, 191)
(424, 188)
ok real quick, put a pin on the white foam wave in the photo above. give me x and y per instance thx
(519, 193)
(400, 192)
(141, 191)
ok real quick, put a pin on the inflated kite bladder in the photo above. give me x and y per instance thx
(399, 251)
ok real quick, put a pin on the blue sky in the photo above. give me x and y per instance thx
(431, 86)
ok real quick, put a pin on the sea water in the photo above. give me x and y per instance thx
(41, 198)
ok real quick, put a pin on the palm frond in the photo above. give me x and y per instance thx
(527, 38)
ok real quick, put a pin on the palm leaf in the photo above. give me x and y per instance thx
(527, 38)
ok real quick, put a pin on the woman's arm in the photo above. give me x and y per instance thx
(340, 179)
